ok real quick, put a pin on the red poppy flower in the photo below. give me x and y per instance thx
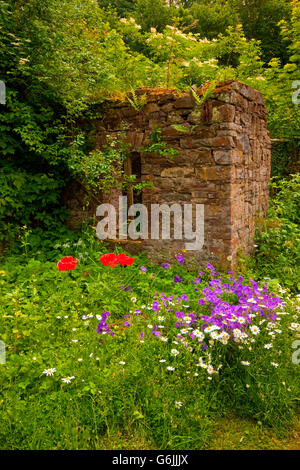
(67, 263)
(109, 259)
(124, 259)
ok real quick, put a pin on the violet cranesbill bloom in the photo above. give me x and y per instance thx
(180, 259)
(143, 268)
(184, 297)
(210, 267)
(125, 288)
(155, 331)
(179, 314)
(155, 306)
(103, 326)
(249, 298)
(104, 315)
(166, 266)
(177, 279)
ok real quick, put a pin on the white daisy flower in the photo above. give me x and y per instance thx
(184, 331)
(198, 334)
(67, 380)
(49, 371)
(211, 328)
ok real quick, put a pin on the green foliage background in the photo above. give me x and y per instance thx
(60, 60)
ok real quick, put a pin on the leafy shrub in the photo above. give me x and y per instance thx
(278, 254)
(72, 390)
(29, 199)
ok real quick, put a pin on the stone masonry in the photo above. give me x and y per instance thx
(223, 162)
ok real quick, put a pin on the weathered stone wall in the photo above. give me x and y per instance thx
(223, 162)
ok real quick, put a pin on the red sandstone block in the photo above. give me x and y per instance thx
(214, 173)
(151, 108)
(227, 157)
(224, 142)
(223, 113)
(186, 101)
(175, 172)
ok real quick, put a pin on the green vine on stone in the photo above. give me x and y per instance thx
(159, 146)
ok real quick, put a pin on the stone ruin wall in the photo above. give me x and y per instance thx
(223, 162)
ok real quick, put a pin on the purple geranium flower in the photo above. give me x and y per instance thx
(104, 315)
(155, 331)
(180, 259)
(125, 288)
(177, 279)
(210, 266)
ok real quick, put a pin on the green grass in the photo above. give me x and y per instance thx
(230, 433)
(45, 323)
